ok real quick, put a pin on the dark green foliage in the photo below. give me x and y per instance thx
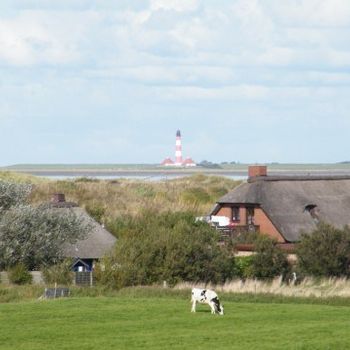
(60, 273)
(246, 238)
(269, 261)
(108, 273)
(243, 266)
(19, 274)
(325, 251)
(171, 247)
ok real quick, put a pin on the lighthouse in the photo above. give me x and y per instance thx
(188, 162)
(178, 149)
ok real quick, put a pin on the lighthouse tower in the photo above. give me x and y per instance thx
(178, 152)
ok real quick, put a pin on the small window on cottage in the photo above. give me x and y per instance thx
(313, 211)
(250, 216)
(235, 214)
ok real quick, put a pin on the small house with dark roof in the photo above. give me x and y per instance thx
(94, 246)
(285, 206)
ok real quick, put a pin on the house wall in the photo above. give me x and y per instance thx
(225, 211)
(266, 226)
(260, 219)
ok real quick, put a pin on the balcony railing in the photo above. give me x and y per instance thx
(231, 232)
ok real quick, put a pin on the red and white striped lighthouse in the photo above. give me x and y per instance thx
(178, 152)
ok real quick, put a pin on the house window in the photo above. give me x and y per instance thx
(235, 214)
(250, 216)
(313, 211)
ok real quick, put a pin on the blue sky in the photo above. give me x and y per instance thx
(89, 81)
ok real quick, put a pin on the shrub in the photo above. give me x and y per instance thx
(13, 194)
(243, 266)
(19, 275)
(59, 273)
(171, 247)
(36, 236)
(325, 251)
(107, 273)
(269, 261)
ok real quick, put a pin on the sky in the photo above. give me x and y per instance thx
(91, 81)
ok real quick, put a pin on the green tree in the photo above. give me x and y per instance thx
(13, 194)
(325, 251)
(171, 247)
(35, 236)
(269, 261)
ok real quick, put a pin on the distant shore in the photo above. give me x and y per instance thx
(156, 171)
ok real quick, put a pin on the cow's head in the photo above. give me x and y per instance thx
(221, 310)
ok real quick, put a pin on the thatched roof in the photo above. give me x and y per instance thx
(98, 241)
(284, 200)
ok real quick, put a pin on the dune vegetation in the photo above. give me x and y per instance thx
(108, 200)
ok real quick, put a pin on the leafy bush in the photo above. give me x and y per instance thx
(243, 266)
(19, 275)
(35, 236)
(108, 273)
(269, 261)
(13, 194)
(325, 251)
(59, 273)
(171, 247)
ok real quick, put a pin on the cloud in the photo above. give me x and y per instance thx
(37, 38)
(156, 63)
(176, 5)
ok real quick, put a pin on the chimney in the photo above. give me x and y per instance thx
(58, 198)
(257, 170)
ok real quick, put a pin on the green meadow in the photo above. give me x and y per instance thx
(150, 322)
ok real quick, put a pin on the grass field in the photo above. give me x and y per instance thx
(125, 322)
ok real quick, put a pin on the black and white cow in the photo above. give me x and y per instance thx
(206, 296)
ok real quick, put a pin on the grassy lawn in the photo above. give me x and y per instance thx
(166, 323)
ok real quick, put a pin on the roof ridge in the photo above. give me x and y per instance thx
(298, 178)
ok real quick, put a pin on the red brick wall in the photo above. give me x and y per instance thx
(266, 226)
(260, 219)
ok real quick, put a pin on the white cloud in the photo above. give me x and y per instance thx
(320, 13)
(172, 60)
(176, 5)
(40, 37)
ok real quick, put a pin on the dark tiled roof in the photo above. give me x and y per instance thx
(284, 200)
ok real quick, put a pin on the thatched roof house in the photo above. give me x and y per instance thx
(98, 241)
(285, 206)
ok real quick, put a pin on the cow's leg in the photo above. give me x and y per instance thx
(212, 306)
(193, 306)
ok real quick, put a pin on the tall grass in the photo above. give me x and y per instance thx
(308, 287)
(109, 200)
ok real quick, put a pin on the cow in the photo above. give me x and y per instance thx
(206, 296)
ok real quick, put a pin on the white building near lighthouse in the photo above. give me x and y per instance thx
(179, 162)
